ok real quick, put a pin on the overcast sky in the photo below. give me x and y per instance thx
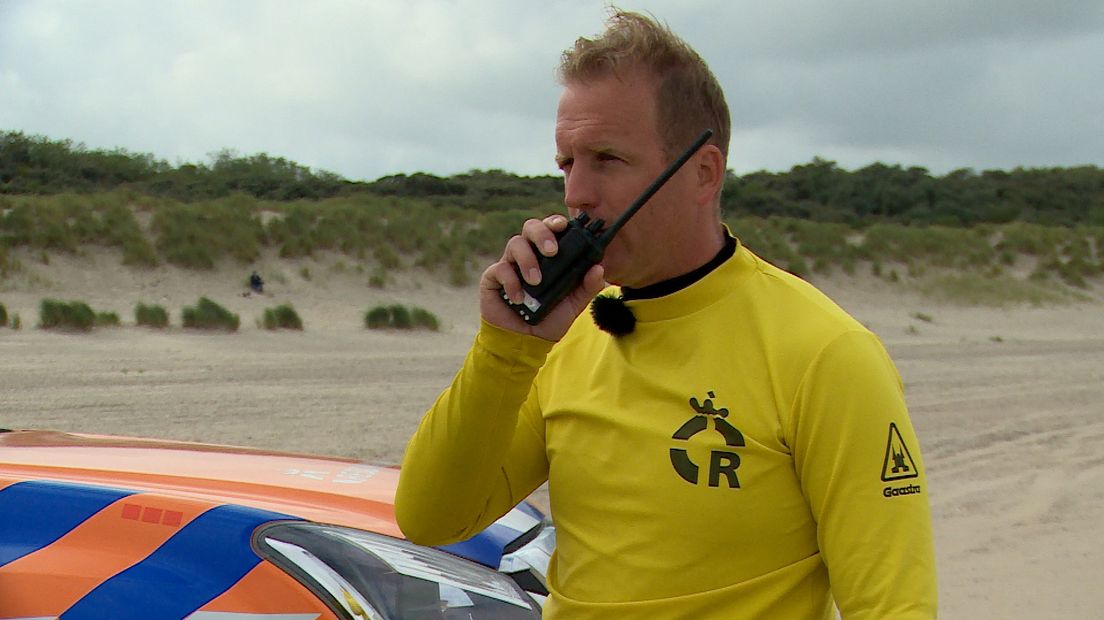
(378, 87)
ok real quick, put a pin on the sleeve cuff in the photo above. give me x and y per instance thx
(519, 350)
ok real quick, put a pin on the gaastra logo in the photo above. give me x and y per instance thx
(911, 489)
(898, 465)
(721, 462)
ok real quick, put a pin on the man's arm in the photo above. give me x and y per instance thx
(474, 457)
(859, 462)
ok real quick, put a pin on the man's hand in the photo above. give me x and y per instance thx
(519, 256)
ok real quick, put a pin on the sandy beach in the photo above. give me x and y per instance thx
(1008, 403)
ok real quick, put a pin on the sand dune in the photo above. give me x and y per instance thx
(1009, 404)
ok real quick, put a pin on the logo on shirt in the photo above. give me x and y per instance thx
(898, 465)
(722, 463)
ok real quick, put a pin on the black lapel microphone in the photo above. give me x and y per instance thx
(612, 315)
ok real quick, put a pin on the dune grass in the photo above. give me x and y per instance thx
(392, 233)
(383, 235)
(283, 316)
(398, 316)
(66, 315)
(999, 291)
(107, 319)
(207, 314)
(151, 316)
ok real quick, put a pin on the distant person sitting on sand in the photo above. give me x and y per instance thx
(256, 283)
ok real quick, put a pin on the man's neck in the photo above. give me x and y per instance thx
(677, 283)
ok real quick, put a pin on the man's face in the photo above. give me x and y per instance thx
(609, 148)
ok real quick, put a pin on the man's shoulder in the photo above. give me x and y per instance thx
(796, 309)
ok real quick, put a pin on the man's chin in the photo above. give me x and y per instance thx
(618, 275)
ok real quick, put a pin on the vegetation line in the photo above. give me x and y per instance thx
(1045, 226)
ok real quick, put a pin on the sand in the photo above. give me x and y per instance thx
(1008, 403)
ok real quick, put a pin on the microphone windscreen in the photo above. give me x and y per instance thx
(612, 315)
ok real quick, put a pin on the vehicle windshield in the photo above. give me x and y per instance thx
(364, 575)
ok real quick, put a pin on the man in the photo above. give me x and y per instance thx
(743, 452)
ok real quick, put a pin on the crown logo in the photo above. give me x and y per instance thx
(707, 407)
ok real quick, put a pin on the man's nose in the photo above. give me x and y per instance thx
(580, 190)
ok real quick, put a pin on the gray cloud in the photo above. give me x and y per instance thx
(375, 88)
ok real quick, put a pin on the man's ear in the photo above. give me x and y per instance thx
(711, 174)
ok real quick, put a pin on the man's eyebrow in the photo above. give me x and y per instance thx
(597, 150)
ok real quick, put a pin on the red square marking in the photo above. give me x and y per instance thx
(131, 511)
(173, 518)
(151, 515)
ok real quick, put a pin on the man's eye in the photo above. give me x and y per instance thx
(604, 157)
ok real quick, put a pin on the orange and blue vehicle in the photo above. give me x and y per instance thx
(102, 527)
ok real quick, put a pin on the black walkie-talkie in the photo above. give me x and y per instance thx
(580, 246)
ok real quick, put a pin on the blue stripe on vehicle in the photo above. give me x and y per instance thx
(208, 556)
(485, 547)
(35, 513)
(530, 510)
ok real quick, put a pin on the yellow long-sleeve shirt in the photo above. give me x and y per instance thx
(746, 452)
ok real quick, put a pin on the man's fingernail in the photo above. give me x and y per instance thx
(549, 246)
(534, 276)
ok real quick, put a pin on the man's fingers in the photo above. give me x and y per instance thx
(540, 234)
(502, 276)
(556, 222)
(537, 237)
(520, 252)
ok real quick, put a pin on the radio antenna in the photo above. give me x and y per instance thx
(607, 234)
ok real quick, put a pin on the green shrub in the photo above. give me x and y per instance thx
(139, 251)
(922, 316)
(3, 316)
(939, 246)
(1029, 238)
(398, 316)
(972, 289)
(764, 238)
(56, 314)
(107, 319)
(798, 267)
(458, 271)
(207, 314)
(195, 235)
(151, 316)
(282, 317)
(387, 257)
(824, 243)
(378, 279)
(377, 318)
(424, 318)
(16, 322)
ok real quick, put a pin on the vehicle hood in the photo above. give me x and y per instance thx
(327, 490)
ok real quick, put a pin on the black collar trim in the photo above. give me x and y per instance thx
(677, 283)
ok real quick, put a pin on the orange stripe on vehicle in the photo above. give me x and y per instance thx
(7, 482)
(269, 590)
(50, 580)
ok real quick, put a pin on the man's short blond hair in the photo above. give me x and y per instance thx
(689, 99)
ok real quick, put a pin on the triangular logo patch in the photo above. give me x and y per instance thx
(898, 463)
